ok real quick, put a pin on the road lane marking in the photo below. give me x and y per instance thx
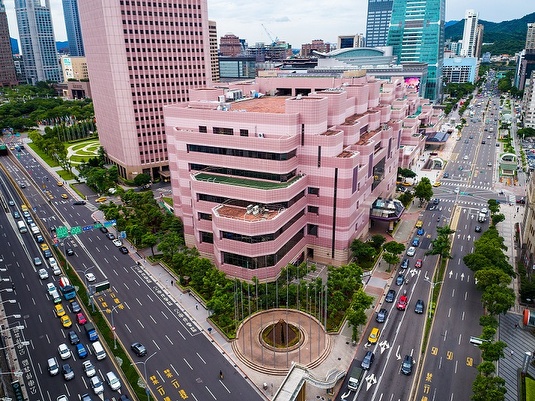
(200, 357)
(141, 324)
(168, 339)
(154, 320)
(187, 363)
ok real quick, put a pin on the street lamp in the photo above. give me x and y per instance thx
(113, 327)
(433, 285)
(144, 363)
(8, 301)
(21, 343)
(16, 316)
(87, 287)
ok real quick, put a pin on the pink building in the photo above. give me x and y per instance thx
(141, 56)
(261, 181)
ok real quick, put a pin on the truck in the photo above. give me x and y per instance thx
(91, 332)
(68, 291)
(482, 217)
(355, 377)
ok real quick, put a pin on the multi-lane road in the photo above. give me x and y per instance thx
(181, 361)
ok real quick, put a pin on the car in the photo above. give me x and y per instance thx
(60, 183)
(75, 307)
(446, 175)
(471, 137)
(478, 229)
(58, 310)
(39, 238)
(488, 136)
(437, 184)
(466, 141)
(52, 263)
(65, 196)
(44, 247)
(419, 307)
(465, 157)
(113, 381)
(66, 321)
(484, 210)
(381, 315)
(390, 296)
(483, 142)
(436, 201)
(22, 185)
(402, 303)
(419, 224)
(405, 263)
(52, 228)
(418, 263)
(456, 190)
(86, 397)
(411, 251)
(89, 369)
(81, 351)
(47, 254)
(117, 242)
(11, 202)
(29, 220)
(37, 261)
(79, 202)
(26, 214)
(420, 231)
(406, 365)
(110, 236)
(416, 242)
(43, 274)
(68, 373)
(139, 349)
(16, 215)
(103, 230)
(489, 164)
(50, 287)
(96, 385)
(124, 250)
(124, 397)
(73, 337)
(64, 351)
(69, 251)
(80, 319)
(367, 360)
(374, 335)
(400, 279)
(521, 201)
(90, 277)
(62, 397)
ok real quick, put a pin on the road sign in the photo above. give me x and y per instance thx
(123, 234)
(87, 228)
(76, 230)
(62, 232)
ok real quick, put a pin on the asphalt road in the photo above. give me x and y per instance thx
(183, 363)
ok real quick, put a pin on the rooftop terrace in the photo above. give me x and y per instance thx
(244, 182)
(266, 104)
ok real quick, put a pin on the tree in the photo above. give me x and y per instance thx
(441, 245)
(488, 320)
(392, 250)
(356, 314)
(141, 179)
(494, 206)
(424, 190)
(486, 368)
(498, 299)
(391, 259)
(406, 198)
(377, 241)
(492, 351)
(149, 239)
(362, 250)
(488, 388)
(170, 244)
(406, 173)
(491, 276)
(497, 218)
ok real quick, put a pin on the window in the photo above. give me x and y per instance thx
(207, 237)
(244, 132)
(314, 191)
(203, 129)
(313, 209)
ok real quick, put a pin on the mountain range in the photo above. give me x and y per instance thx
(506, 37)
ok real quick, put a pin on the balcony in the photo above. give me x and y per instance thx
(245, 182)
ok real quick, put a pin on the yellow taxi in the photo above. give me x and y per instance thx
(374, 335)
(419, 224)
(437, 184)
(66, 321)
(59, 310)
(44, 247)
(60, 183)
(101, 199)
(65, 196)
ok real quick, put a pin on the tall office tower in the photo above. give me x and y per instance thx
(377, 22)
(74, 31)
(142, 56)
(530, 37)
(8, 75)
(526, 59)
(469, 33)
(479, 40)
(417, 36)
(230, 45)
(37, 42)
(214, 54)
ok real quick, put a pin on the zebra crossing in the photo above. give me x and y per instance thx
(485, 187)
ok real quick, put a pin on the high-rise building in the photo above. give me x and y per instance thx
(74, 31)
(469, 33)
(526, 59)
(417, 35)
(8, 76)
(142, 56)
(479, 40)
(230, 45)
(377, 22)
(316, 45)
(214, 53)
(528, 105)
(37, 42)
(350, 41)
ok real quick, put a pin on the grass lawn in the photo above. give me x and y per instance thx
(51, 162)
(244, 182)
(65, 175)
(530, 389)
(169, 201)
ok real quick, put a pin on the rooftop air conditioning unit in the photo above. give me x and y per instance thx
(250, 209)
(256, 210)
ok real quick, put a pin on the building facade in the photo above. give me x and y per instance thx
(74, 68)
(468, 47)
(142, 56)
(37, 41)
(458, 70)
(214, 52)
(230, 45)
(416, 34)
(316, 45)
(8, 75)
(528, 102)
(378, 22)
(350, 41)
(261, 181)
(526, 59)
(74, 31)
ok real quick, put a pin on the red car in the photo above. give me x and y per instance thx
(418, 263)
(402, 303)
(80, 318)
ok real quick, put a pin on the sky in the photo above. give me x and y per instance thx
(298, 22)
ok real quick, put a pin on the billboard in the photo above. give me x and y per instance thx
(413, 83)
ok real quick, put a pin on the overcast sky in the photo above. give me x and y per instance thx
(300, 21)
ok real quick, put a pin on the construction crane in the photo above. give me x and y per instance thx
(273, 41)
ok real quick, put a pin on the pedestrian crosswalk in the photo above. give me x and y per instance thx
(461, 184)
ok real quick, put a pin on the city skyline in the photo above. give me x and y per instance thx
(297, 23)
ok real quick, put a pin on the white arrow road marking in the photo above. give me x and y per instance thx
(370, 381)
(451, 272)
(462, 276)
(398, 355)
(384, 346)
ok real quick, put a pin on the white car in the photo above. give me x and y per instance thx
(50, 288)
(53, 263)
(90, 277)
(411, 251)
(64, 351)
(465, 157)
(89, 369)
(117, 242)
(96, 385)
(43, 274)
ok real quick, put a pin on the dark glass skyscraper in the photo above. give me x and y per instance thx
(377, 22)
(416, 34)
(74, 32)
(37, 42)
(8, 77)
